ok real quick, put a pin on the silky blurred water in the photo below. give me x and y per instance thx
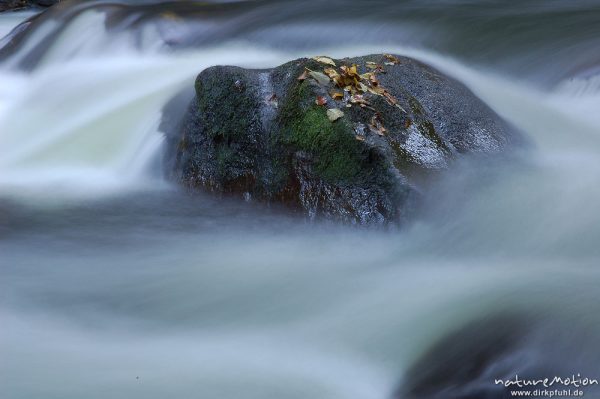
(115, 284)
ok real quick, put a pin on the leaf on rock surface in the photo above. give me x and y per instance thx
(392, 60)
(373, 79)
(272, 100)
(336, 95)
(348, 79)
(320, 100)
(350, 72)
(334, 114)
(321, 78)
(356, 88)
(390, 99)
(332, 73)
(393, 101)
(376, 125)
(324, 60)
(303, 76)
(375, 67)
(359, 99)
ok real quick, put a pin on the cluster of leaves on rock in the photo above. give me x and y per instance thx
(353, 88)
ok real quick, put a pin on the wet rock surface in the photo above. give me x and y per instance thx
(361, 155)
(477, 359)
(464, 363)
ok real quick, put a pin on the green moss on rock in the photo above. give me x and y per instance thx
(338, 156)
(428, 130)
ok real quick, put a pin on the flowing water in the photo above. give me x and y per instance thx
(114, 284)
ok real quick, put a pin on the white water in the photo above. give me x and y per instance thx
(152, 296)
(89, 125)
(89, 121)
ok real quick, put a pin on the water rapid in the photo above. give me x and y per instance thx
(114, 284)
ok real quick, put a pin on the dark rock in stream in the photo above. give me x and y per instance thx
(260, 134)
(464, 363)
(7, 5)
(475, 360)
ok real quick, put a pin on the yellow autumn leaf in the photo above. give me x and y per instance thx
(336, 95)
(324, 60)
(332, 73)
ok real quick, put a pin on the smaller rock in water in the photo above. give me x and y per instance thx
(473, 361)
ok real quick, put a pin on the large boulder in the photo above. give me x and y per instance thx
(354, 141)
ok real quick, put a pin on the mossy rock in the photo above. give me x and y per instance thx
(261, 134)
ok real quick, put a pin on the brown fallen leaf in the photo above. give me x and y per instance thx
(334, 114)
(390, 99)
(392, 60)
(357, 98)
(324, 60)
(393, 101)
(376, 125)
(407, 123)
(373, 80)
(360, 138)
(320, 100)
(377, 90)
(303, 76)
(376, 68)
(272, 100)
